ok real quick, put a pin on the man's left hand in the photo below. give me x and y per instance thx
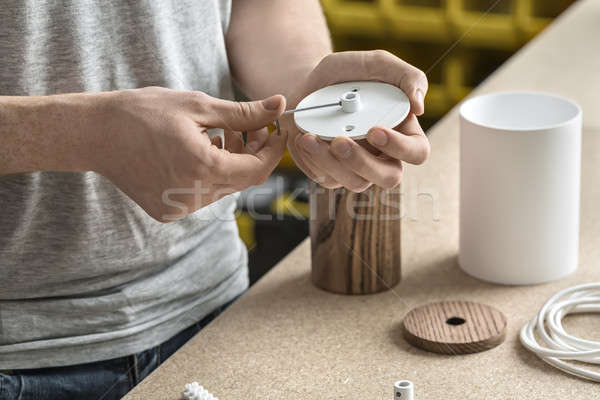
(378, 159)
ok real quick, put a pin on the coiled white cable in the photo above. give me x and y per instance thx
(559, 345)
(194, 391)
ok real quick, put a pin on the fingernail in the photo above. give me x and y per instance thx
(420, 98)
(272, 103)
(310, 144)
(378, 137)
(341, 148)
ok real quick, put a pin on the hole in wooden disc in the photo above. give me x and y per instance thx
(455, 321)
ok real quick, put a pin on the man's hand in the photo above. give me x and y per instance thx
(378, 160)
(152, 144)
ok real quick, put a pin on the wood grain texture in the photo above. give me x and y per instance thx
(455, 327)
(355, 239)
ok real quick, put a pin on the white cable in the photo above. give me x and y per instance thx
(193, 391)
(556, 344)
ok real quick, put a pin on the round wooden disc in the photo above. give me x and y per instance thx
(455, 327)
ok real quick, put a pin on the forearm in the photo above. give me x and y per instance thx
(274, 44)
(47, 132)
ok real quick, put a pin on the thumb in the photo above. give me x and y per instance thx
(244, 116)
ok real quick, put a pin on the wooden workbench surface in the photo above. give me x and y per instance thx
(286, 339)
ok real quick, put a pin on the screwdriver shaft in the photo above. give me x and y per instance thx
(339, 103)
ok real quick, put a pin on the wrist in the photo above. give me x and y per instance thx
(81, 130)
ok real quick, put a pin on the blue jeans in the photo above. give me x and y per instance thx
(102, 380)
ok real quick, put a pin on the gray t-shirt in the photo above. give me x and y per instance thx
(85, 274)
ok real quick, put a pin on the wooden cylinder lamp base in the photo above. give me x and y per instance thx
(355, 239)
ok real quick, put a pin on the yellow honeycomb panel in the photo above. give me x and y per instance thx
(354, 17)
(506, 25)
(286, 205)
(246, 225)
(287, 161)
(410, 21)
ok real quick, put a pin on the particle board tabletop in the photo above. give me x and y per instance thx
(286, 339)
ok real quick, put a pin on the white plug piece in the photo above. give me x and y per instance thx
(194, 391)
(350, 102)
(404, 390)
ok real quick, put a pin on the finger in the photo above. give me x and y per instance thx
(318, 151)
(240, 171)
(217, 136)
(308, 167)
(322, 178)
(241, 116)
(375, 65)
(216, 141)
(256, 140)
(301, 160)
(385, 173)
(234, 142)
(368, 146)
(407, 143)
(311, 170)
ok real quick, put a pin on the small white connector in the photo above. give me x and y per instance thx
(350, 102)
(404, 390)
(194, 391)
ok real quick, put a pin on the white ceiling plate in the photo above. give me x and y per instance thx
(381, 104)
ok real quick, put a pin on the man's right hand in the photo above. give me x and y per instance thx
(152, 144)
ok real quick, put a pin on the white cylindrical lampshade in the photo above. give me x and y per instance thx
(519, 187)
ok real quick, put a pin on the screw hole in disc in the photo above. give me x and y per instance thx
(455, 321)
(349, 128)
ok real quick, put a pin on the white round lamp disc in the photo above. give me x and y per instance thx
(380, 104)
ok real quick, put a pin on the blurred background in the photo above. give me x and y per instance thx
(458, 43)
